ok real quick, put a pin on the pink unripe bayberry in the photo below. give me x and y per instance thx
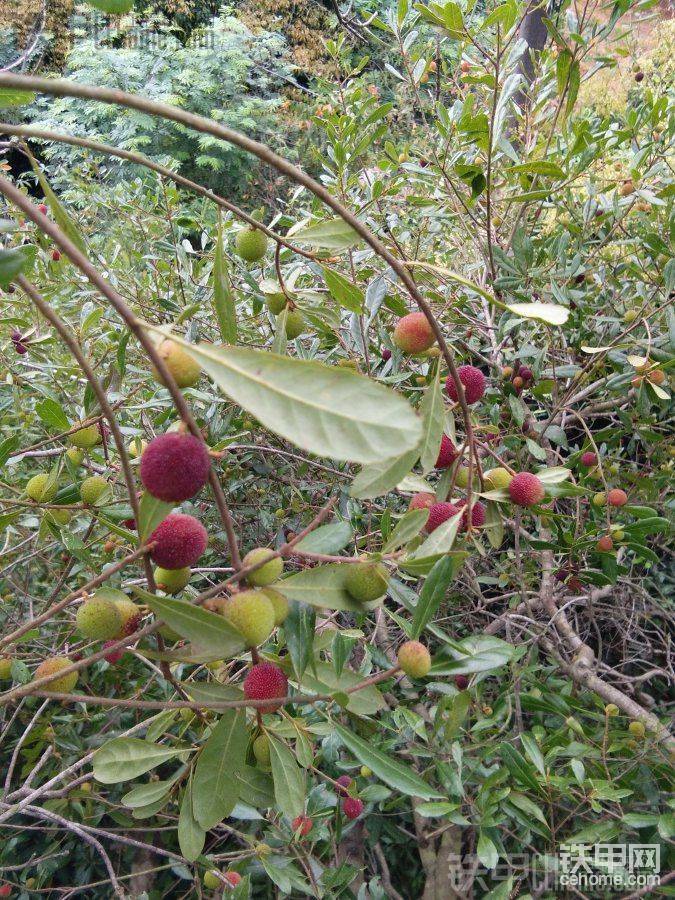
(526, 489)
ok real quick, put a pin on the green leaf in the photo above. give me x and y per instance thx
(191, 836)
(553, 475)
(299, 630)
(125, 758)
(432, 594)
(441, 539)
(289, 779)
(61, 217)
(52, 413)
(255, 788)
(223, 298)
(494, 526)
(210, 632)
(329, 538)
(538, 167)
(323, 586)
(214, 789)
(15, 262)
(335, 234)
(531, 748)
(152, 513)
(381, 477)
(323, 679)
(13, 97)
(519, 767)
(487, 851)
(431, 410)
(348, 295)
(408, 527)
(322, 409)
(149, 793)
(573, 83)
(387, 768)
(550, 313)
(113, 7)
(435, 808)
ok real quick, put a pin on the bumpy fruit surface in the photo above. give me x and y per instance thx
(130, 613)
(295, 324)
(41, 488)
(184, 369)
(413, 657)
(462, 477)
(423, 500)
(75, 455)
(439, 513)
(497, 479)
(447, 454)
(617, 497)
(366, 581)
(98, 619)
(252, 614)
(251, 244)
(171, 581)
(366, 772)
(279, 604)
(461, 682)
(473, 381)
(605, 544)
(599, 499)
(276, 303)
(343, 784)
(637, 729)
(232, 878)
(115, 655)
(477, 515)
(352, 807)
(261, 749)
(181, 540)
(526, 489)
(63, 685)
(589, 459)
(5, 668)
(175, 466)
(302, 825)
(268, 572)
(265, 681)
(413, 333)
(211, 881)
(92, 489)
(86, 438)
(611, 710)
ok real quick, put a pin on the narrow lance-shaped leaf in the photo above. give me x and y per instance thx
(191, 836)
(289, 780)
(125, 758)
(322, 409)
(432, 594)
(62, 218)
(431, 410)
(381, 477)
(215, 791)
(223, 298)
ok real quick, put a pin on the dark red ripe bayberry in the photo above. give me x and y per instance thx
(56, 255)
(526, 374)
(180, 540)
(386, 354)
(129, 523)
(525, 489)
(461, 682)
(43, 209)
(473, 381)
(174, 467)
(21, 349)
(17, 337)
(447, 454)
(343, 783)
(439, 513)
(589, 459)
(302, 824)
(265, 681)
(115, 655)
(477, 515)
(639, 76)
(352, 807)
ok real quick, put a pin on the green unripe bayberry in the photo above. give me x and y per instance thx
(295, 324)
(261, 750)
(366, 581)
(171, 581)
(86, 437)
(268, 572)
(251, 244)
(41, 488)
(638, 730)
(252, 615)
(98, 619)
(92, 489)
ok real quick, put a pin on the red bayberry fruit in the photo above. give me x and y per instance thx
(352, 807)
(180, 541)
(21, 349)
(56, 255)
(439, 513)
(525, 489)
(343, 783)
(617, 497)
(605, 544)
(174, 467)
(423, 500)
(129, 523)
(589, 459)
(477, 515)
(413, 333)
(115, 655)
(302, 824)
(461, 682)
(265, 681)
(43, 209)
(447, 454)
(232, 878)
(386, 354)
(473, 381)
(526, 374)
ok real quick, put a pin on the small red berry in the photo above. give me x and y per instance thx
(617, 497)
(265, 681)
(605, 544)
(447, 454)
(589, 459)
(43, 209)
(386, 354)
(302, 824)
(473, 381)
(477, 515)
(344, 782)
(232, 878)
(115, 655)
(56, 255)
(525, 489)
(461, 682)
(439, 513)
(352, 807)
(423, 500)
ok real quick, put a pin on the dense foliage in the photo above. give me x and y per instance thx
(433, 385)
